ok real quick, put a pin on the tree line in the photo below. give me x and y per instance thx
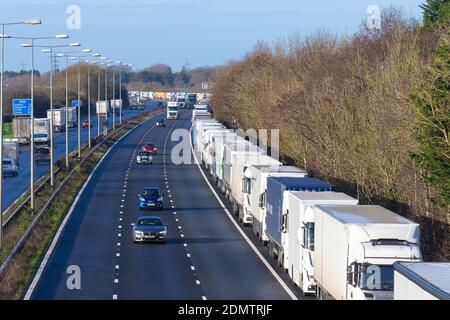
(369, 113)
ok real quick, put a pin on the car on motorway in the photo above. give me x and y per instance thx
(151, 147)
(151, 198)
(9, 168)
(149, 228)
(42, 154)
(87, 124)
(144, 157)
(160, 123)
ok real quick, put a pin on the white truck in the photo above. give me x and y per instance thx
(59, 119)
(239, 182)
(255, 189)
(22, 130)
(102, 108)
(231, 153)
(172, 110)
(210, 148)
(298, 242)
(200, 134)
(42, 130)
(181, 101)
(219, 156)
(422, 281)
(355, 249)
(205, 147)
(72, 117)
(116, 106)
(11, 150)
(198, 125)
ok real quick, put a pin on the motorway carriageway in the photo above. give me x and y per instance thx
(206, 257)
(14, 187)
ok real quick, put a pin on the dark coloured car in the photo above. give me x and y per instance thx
(149, 229)
(150, 147)
(160, 123)
(151, 198)
(42, 155)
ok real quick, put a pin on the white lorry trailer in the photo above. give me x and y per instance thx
(22, 130)
(59, 119)
(102, 108)
(239, 185)
(213, 138)
(219, 157)
(198, 125)
(42, 130)
(72, 117)
(355, 249)
(205, 144)
(231, 152)
(298, 241)
(255, 189)
(422, 281)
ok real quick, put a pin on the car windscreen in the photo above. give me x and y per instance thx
(144, 153)
(7, 162)
(152, 222)
(151, 193)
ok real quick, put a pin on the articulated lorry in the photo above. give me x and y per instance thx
(299, 251)
(276, 215)
(72, 117)
(422, 281)
(355, 249)
(230, 155)
(172, 110)
(42, 130)
(22, 130)
(255, 191)
(240, 183)
(59, 119)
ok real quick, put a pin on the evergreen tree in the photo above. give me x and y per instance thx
(435, 13)
(431, 99)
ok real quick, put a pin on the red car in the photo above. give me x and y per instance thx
(150, 147)
(87, 124)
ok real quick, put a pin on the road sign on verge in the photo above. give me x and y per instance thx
(21, 107)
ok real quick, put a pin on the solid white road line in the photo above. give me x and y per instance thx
(250, 243)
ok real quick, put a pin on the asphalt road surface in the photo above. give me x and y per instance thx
(205, 257)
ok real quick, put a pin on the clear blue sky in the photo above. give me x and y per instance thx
(200, 32)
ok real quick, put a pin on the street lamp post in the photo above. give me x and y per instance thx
(50, 50)
(79, 99)
(2, 69)
(89, 97)
(60, 36)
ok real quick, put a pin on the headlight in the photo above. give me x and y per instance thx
(163, 233)
(141, 199)
(138, 233)
(160, 199)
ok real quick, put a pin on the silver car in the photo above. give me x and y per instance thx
(9, 168)
(144, 157)
(149, 228)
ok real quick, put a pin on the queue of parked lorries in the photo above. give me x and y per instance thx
(330, 245)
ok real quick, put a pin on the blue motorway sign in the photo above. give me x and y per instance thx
(75, 103)
(21, 107)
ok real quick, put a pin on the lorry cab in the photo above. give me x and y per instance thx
(172, 110)
(356, 247)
